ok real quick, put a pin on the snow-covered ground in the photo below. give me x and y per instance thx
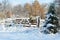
(25, 33)
(28, 34)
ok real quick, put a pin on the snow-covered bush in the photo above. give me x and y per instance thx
(51, 22)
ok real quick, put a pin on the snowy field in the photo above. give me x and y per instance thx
(28, 34)
(25, 33)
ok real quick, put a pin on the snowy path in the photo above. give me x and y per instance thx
(29, 34)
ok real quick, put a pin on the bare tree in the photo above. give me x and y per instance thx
(28, 9)
(18, 11)
(57, 7)
(6, 6)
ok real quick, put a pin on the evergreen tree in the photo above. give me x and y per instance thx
(51, 21)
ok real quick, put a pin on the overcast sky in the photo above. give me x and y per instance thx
(15, 2)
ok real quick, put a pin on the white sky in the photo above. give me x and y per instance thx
(22, 2)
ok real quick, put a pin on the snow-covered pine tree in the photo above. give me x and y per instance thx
(51, 21)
